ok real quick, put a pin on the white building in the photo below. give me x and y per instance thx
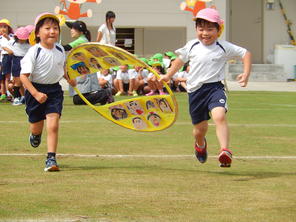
(160, 25)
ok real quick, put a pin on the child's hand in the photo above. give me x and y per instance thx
(242, 79)
(40, 97)
(72, 82)
(164, 78)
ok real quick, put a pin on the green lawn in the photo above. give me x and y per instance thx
(169, 186)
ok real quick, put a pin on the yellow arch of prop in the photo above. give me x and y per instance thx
(143, 113)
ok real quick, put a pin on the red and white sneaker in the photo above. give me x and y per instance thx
(201, 153)
(225, 158)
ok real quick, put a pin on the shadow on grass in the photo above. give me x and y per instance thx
(251, 175)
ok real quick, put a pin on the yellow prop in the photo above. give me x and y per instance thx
(143, 113)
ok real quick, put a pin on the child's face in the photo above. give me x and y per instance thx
(75, 33)
(49, 33)
(207, 34)
(3, 29)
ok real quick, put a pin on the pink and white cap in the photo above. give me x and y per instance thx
(211, 15)
(46, 15)
(22, 33)
(30, 28)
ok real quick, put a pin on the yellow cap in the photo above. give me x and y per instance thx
(5, 21)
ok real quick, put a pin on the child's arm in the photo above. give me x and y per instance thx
(72, 82)
(244, 77)
(102, 82)
(176, 66)
(39, 96)
(8, 50)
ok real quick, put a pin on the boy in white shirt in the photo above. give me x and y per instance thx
(207, 58)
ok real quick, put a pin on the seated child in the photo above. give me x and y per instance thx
(125, 81)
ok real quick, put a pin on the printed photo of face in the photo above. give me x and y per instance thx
(134, 107)
(97, 52)
(139, 123)
(83, 70)
(118, 113)
(150, 105)
(112, 61)
(164, 106)
(154, 119)
(118, 55)
(94, 63)
(79, 56)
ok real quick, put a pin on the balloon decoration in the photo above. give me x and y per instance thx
(143, 113)
(73, 10)
(193, 6)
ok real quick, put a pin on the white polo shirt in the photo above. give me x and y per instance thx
(45, 66)
(207, 62)
(108, 78)
(19, 49)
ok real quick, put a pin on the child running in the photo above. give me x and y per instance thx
(42, 69)
(207, 58)
(18, 48)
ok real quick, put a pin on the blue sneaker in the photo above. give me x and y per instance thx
(201, 153)
(51, 165)
(35, 140)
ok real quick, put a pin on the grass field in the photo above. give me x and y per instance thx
(157, 177)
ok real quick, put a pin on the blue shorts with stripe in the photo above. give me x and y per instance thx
(203, 100)
(54, 104)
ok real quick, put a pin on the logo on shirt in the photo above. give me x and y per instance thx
(222, 101)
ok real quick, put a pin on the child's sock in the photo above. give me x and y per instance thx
(51, 155)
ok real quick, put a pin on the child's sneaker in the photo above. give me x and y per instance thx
(118, 93)
(135, 93)
(201, 153)
(17, 102)
(3, 97)
(51, 165)
(151, 93)
(35, 140)
(225, 158)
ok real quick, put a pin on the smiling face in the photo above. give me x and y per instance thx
(207, 32)
(3, 29)
(75, 33)
(48, 33)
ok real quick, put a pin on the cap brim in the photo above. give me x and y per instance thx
(69, 24)
(48, 16)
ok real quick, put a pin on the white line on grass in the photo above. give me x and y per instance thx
(118, 156)
(176, 123)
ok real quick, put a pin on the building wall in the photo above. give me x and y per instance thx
(275, 28)
(154, 14)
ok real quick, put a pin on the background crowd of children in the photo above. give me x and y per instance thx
(122, 80)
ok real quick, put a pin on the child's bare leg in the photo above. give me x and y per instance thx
(222, 130)
(37, 128)
(199, 132)
(52, 127)
(132, 85)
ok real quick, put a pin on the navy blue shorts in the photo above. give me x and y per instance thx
(16, 66)
(54, 103)
(6, 64)
(203, 100)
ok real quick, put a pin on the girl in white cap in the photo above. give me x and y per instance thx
(42, 69)
(207, 58)
(18, 48)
